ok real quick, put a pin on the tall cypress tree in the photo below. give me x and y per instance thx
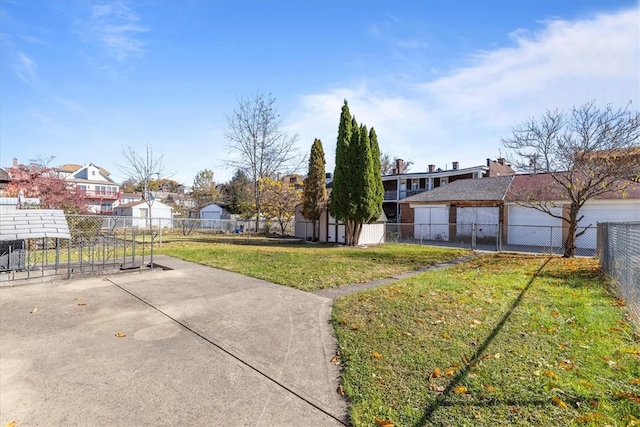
(376, 173)
(357, 195)
(339, 199)
(315, 189)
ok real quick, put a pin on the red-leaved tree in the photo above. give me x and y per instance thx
(42, 182)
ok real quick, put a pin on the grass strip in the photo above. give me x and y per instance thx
(502, 339)
(306, 266)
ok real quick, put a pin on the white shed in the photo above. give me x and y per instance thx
(214, 211)
(161, 214)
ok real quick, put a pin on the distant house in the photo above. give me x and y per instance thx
(100, 191)
(494, 207)
(4, 180)
(400, 184)
(161, 214)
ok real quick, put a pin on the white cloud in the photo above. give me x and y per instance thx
(463, 114)
(25, 68)
(116, 27)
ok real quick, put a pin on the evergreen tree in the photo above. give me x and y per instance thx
(315, 191)
(339, 199)
(357, 195)
(377, 176)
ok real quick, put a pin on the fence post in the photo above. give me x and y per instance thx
(473, 235)
(551, 240)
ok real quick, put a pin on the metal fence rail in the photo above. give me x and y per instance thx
(492, 237)
(101, 244)
(619, 253)
(97, 244)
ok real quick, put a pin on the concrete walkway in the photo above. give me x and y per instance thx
(201, 346)
(333, 293)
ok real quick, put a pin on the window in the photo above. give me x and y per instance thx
(144, 212)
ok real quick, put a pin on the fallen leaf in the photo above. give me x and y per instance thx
(340, 390)
(78, 298)
(559, 402)
(446, 336)
(551, 374)
(635, 381)
(460, 389)
(334, 359)
(120, 335)
(620, 302)
(436, 373)
(449, 372)
(489, 388)
(34, 310)
(476, 322)
(634, 351)
(384, 423)
(630, 396)
(566, 364)
(497, 356)
(377, 355)
(11, 424)
(82, 304)
(555, 313)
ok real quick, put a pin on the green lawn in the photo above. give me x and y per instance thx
(302, 265)
(499, 340)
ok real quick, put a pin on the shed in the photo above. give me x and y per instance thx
(214, 211)
(161, 214)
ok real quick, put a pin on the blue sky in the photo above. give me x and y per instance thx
(441, 81)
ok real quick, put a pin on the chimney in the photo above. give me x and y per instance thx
(399, 166)
(15, 162)
(455, 165)
(488, 162)
(501, 160)
(432, 168)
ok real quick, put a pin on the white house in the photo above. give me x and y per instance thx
(161, 214)
(100, 191)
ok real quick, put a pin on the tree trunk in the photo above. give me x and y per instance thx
(570, 240)
(313, 232)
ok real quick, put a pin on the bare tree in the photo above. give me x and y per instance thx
(388, 164)
(585, 153)
(143, 168)
(261, 146)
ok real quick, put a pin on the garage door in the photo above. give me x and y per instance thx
(530, 227)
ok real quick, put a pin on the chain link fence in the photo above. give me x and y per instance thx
(492, 237)
(101, 244)
(619, 254)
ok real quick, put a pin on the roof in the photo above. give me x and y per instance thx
(155, 203)
(131, 204)
(436, 173)
(4, 176)
(33, 223)
(544, 187)
(72, 168)
(477, 189)
(69, 167)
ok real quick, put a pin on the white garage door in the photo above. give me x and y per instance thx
(596, 212)
(431, 222)
(530, 227)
